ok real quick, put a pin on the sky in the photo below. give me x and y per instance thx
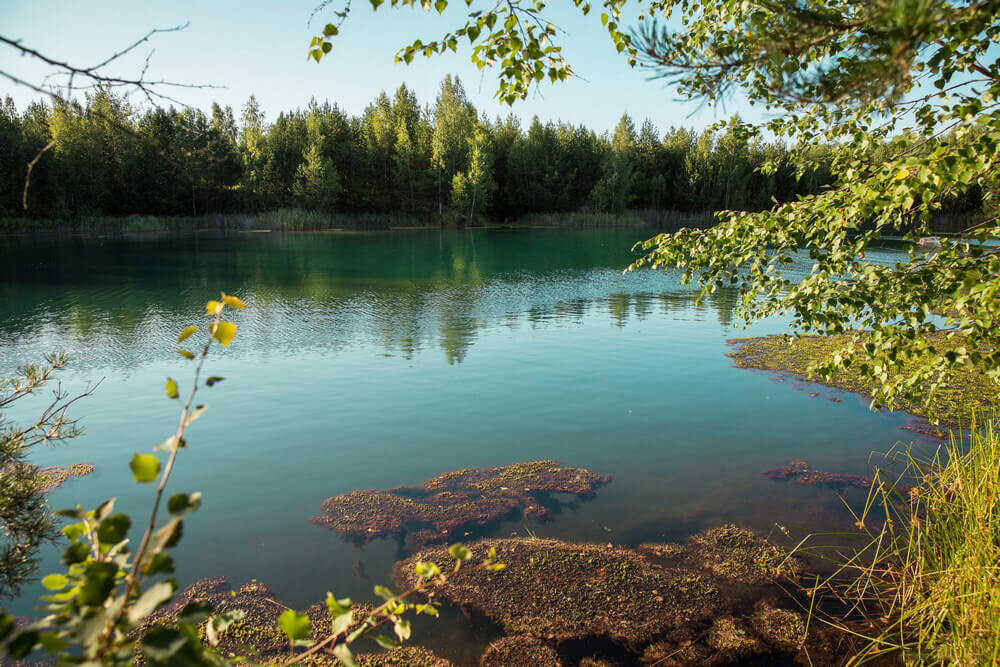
(259, 47)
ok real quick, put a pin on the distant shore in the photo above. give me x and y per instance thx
(301, 220)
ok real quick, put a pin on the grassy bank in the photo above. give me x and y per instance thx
(927, 583)
(965, 392)
(302, 220)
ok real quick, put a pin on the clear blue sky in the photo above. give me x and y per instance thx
(260, 47)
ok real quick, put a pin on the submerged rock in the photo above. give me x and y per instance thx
(802, 473)
(256, 636)
(520, 651)
(560, 591)
(665, 604)
(455, 500)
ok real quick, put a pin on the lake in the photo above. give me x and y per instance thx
(374, 360)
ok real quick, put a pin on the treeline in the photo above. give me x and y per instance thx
(108, 158)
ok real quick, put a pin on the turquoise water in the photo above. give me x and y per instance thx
(381, 359)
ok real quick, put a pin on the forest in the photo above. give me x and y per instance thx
(111, 158)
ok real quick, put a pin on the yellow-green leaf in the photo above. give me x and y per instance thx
(185, 354)
(184, 335)
(172, 388)
(233, 301)
(224, 332)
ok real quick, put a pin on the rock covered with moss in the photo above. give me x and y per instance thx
(256, 635)
(462, 499)
(677, 604)
(520, 651)
(964, 391)
(802, 473)
(560, 591)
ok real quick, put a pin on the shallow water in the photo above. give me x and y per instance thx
(381, 359)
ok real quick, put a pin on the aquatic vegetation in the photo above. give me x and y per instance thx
(256, 635)
(520, 651)
(688, 604)
(730, 637)
(802, 473)
(965, 391)
(782, 628)
(738, 554)
(455, 500)
(559, 591)
(53, 477)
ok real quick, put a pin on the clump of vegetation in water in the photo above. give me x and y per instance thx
(255, 632)
(52, 477)
(698, 603)
(560, 591)
(461, 499)
(964, 392)
(802, 473)
(520, 651)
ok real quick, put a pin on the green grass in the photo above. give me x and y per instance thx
(926, 584)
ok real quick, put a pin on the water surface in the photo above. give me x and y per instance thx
(381, 359)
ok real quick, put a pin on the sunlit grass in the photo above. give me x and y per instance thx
(926, 584)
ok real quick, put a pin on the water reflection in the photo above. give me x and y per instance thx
(117, 303)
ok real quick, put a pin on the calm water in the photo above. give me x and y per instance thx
(376, 360)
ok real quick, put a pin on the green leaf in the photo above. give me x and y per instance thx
(75, 553)
(22, 644)
(195, 612)
(183, 503)
(386, 642)
(402, 629)
(114, 529)
(150, 600)
(330, 30)
(145, 467)
(6, 625)
(342, 622)
(459, 552)
(99, 581)
(210, 382)
(337, 607)
(162, 644)
(427, 569)
(224, 332)
(55, 582)
(295, 625)
(343, 653)
(384, 593)
(172, 388)
(160, 563)
(52, 642)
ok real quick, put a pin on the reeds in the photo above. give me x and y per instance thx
(925, 582)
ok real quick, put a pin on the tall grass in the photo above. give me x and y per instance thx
(927, 581)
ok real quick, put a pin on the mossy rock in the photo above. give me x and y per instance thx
(782, 628)
(560, 591)
(520, 651)
(732, 638)
(404, 656)
(963, 394)
(739, 554)
(256, 636)
(453, 501)
(687, 653)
